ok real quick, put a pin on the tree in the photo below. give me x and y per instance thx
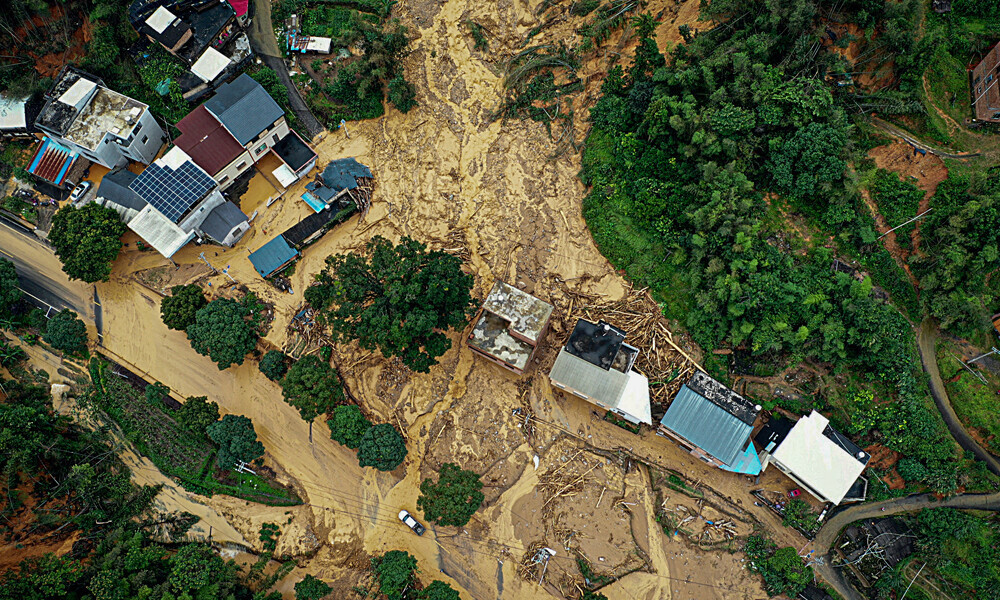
(196, 414)
(311, 588)
(454, 498)
(382, 447)
(395, 572)
(178, 310)
(348, 425)
(438, 590)
(156, 392)
(222, 333)
(273, 365)
(87, 240)
(587, 594)
(66, 332)
(10, 293)
(398, 299)
(236, 439)
(402, 94)
(312, 387)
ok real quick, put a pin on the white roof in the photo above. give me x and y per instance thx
(12, 113)
(210, 65)
(817, 461)
(319, 44)
(160, 19)
(635, 398)
(284, 175)
(611, 389)
(174, 158)
(159, 231)
(77, 92)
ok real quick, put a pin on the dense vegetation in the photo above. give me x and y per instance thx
(66, 332)
(178, 310)
(312, 387)
(226, 330)
(453, 498)
(381, 447)
(348, 425)
(87, 240)
(237, 441)
(781, 568)
(397, 299)
(273, 365)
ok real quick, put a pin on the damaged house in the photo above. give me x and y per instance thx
(596, 365)
(509, 327)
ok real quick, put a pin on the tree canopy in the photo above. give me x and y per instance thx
(196, 414)
(178, 310)
(348, 425)
(454, 498)
(274, 365)
(66, 332)
(221, 332)
(10, 291)
(237, 441)
(397, 299)
(87, 240)
(395, 571)
(312, 387)
(438, 590)
(382, 447)
(311, 588)
(781, 568)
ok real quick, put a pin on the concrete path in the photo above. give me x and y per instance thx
(261, 35)
(926, 341)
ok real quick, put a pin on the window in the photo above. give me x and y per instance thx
(241, 165)
(275, 138)
(138, 126)
(224, 179)
(145, 139)
(260, 149)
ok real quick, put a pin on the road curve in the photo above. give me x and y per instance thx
(926, 340)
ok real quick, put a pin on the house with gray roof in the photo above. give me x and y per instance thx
(713, 423)
(596, 365)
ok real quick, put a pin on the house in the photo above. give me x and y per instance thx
(713, 423)
(341, 179)
(596, 365)
(83, 116)
(273, 257)
(171, 203)
(817, 457)
(985, 87)
(59, 165)
(233, 131)
(17, 117)
(509, 326)
(315, 225)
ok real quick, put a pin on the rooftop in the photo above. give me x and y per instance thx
(271, 256)
(293, 151)
(299, 233)
(343, 174)
(596, 343)
(723, 397)
(221, 221)
(173, 185)
(820, 461)
(159, 232)
(210, 65)
(244, 107)
(107, 112)
(12, 112)
(57, 115)
(627, 392)
(491, 335)
(206, 141)
(51, 162)
(986, 86)
(710, 425)
(525, 314)
(115, 188)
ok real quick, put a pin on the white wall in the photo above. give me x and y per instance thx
(152, 132)
(233, 170)
(267, 139)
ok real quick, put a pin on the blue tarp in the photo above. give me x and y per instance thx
(272, 256)
(747, 463)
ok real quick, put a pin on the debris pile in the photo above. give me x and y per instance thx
(305, 335)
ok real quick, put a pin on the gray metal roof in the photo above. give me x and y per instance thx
(115, 188)
(706, 425)
(221, 221)
(343, 174)
(271, 256)
(244, 108)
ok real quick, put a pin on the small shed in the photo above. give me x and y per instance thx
(273, 257)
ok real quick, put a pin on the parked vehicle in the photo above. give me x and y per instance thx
(794, 493)
(80, 191)
(412, 523)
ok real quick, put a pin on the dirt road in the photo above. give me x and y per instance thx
(926, 342)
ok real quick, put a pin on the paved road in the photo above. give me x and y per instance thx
(261, 35)
(41, 274)
(926, 340)
(897, 132)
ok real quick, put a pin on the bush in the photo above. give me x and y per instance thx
(382, 447)
(178, 310)
(274, 365)
(66, 332)
(348, 425)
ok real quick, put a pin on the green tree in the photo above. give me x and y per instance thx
(66, 332)
(178, 310)
(237, 441)
(10, 293)
(312, 387)
(222, 333)
(382, 447)
(454, 498)
(87, 240)
(402, 94)
(311, 588)
(196, 414)
(587, 594)
(156, 392)
(196, 571)
(798, 513)
(398, 299)
(439, 590)
(348, 425)
(395, 572)
(273, 365)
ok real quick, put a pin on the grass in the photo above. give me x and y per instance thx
(975, 403)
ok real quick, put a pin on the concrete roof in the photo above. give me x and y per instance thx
(526, 314)
(628, 392)
(817, 460)
(159, 232)
(707, 425)
(108, 112)
(160, 19)
(491, 335)
(245, 108)
(77, 92)
(12, 112)
(210, 65)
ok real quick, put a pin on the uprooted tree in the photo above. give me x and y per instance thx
(178, 310)
(397, 299)
(454, 498)
(87, 240)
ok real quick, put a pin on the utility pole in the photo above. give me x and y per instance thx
(993, 351)
(969, 369)
(901, 224)
(226, 273)
(205, 260)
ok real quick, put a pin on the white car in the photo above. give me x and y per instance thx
(80, 191)
(412, 523)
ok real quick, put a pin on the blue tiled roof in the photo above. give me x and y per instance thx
(706, 425)
(245, 108)
(269, 257)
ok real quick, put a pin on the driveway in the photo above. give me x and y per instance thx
(261, 33)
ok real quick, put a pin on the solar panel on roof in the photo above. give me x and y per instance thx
(172, 192)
